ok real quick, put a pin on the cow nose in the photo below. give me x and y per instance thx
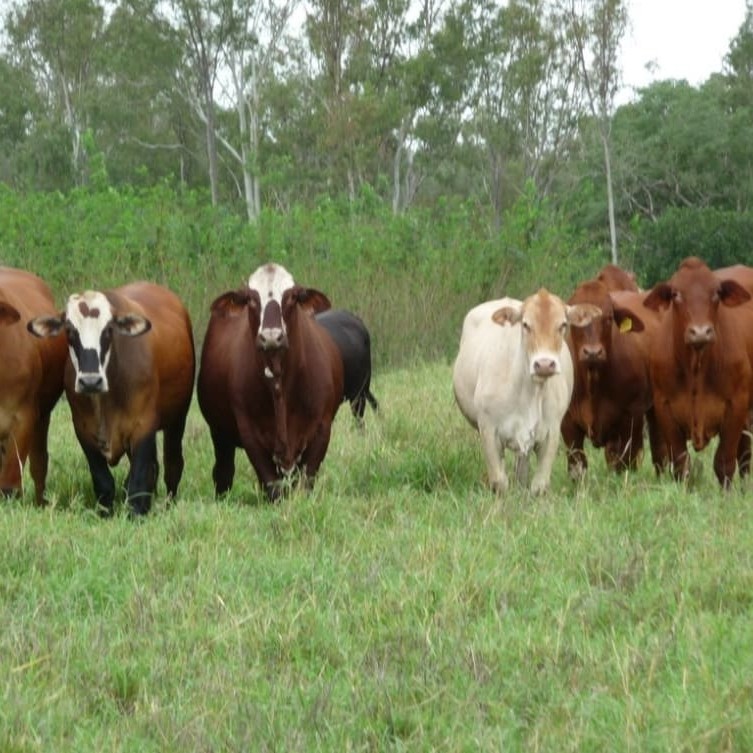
(270, 338)
(89, 383)
(544, 367)
(699, 334)
(593, 353)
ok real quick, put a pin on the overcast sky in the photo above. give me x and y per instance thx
(684, 38)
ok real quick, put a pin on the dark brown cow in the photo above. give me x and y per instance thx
(130, 374)
(612, 394)
(701, 365)
(615, 278)
(270, 380)
(31, 380)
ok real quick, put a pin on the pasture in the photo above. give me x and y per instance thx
(399, 606)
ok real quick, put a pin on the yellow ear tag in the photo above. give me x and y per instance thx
(626, 325)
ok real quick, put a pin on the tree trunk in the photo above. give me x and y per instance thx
(610, 198)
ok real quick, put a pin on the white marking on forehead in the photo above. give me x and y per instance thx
(271, 281)
(89, 313)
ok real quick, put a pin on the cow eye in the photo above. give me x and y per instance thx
(526, 326)
(563, 328)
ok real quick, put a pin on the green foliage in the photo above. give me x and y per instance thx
(411, 277)
(719, 237)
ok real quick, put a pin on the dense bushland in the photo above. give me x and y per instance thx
(411, 277)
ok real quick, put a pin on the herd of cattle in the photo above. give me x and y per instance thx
(676, 359)
(277, 361)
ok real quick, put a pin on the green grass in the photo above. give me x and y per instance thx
(399, 606)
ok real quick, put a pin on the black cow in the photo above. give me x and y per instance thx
(354, 343)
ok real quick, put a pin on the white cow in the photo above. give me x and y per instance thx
(513, 379)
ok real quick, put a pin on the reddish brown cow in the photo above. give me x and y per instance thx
(701, 365)
(31, 380)
(130, 374)
(270, 380)
(612, 393)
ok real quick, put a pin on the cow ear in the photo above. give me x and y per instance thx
(659, 298)
(507, 315)
(8, 314)
(231, 303)
(132, 325)
(311, 300)
(627, 321)
(46, 326)
(582, 314)
(732, 293)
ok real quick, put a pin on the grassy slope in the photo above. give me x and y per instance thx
(398, 607)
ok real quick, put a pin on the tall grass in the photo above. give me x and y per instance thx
(399, 606)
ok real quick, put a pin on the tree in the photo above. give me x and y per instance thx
(597, 28)
(58, 41)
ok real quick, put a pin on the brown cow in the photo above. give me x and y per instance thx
(615, 278)
(130, 374)
(270, 380)
(31, 380)
(612, 393)
(701, 365)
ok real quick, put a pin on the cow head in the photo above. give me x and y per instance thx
(693, 294)
(592, 343)
(90, 323)
(545, 321)
(272, 300)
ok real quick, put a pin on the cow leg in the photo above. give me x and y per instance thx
(142, 477)
(574, 437)
(624, 452)
(744, 452)
(223, 471)
(102, 480)
(172, 454)
(494, 456)
(545, 453)
(659, 450)
(39, 457)
(314, 454)
(730, 439)
(15, 451)
(675, 439)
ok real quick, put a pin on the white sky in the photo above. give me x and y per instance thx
(685, 38)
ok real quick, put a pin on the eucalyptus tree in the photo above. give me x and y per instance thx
(254, 54)
(597, 28)
(528, 98)
(58, 42)
(206, 27)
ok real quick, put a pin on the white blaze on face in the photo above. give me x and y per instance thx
(88, 317)
(544, 322)
(270, 281)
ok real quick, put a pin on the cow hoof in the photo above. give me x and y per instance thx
(500, 486)
(539, 487)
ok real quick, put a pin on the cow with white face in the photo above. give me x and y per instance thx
(130, 374)
(90, 323)
(513, 378)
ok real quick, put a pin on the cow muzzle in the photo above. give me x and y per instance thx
(90, 383)
(544, 367)
(699, 335)
(271, 338)
(593, 354)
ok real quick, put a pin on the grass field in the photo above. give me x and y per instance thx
(398, 607)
